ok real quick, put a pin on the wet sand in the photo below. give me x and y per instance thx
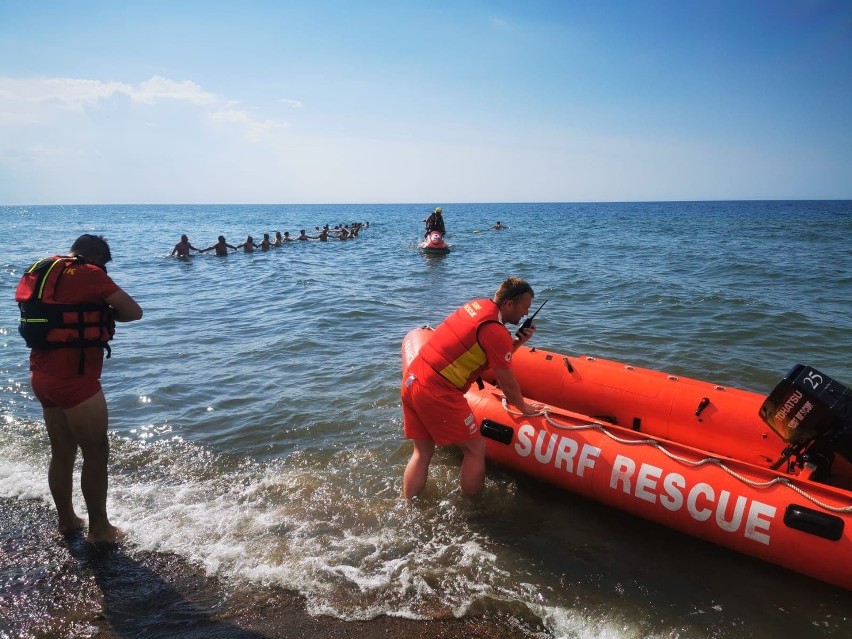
(52, 586)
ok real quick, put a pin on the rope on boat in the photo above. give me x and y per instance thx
(783, 481)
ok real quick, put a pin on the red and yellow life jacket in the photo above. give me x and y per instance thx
(46, 323)
(453, 350)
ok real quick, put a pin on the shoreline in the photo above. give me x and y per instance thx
(63, 587)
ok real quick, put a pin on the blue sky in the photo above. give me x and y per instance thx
(332, 101)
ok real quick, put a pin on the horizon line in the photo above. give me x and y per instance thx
(423, 203)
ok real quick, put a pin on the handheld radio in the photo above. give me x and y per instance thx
(528, 322)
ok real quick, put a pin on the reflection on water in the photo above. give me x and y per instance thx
(256, 427)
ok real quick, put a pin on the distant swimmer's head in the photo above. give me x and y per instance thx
(184, 238)
(221, 238)
(439, 210)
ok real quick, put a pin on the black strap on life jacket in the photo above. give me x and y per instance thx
(38, 317)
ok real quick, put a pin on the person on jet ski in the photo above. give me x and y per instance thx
(435, 222)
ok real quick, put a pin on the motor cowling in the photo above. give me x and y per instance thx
(811, 412)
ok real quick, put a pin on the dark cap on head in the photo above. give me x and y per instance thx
(92, 247)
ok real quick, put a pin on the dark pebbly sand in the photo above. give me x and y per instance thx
(52, 586)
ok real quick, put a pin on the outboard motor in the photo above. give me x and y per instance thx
(813, 414)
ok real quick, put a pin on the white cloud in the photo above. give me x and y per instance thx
(41, 150)
(256, 130)
(74, 93)
(294, 104)
(69, 93)
(163, 88)
(29, 101)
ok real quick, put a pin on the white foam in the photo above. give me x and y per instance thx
(333, 532)
(21, 480)
(24, 451)
(296, 527)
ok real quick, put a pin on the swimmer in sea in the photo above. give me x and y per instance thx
(278, 239)
(183, 247)
(498, 226)
(265, 243)
(248, 246)
(221, 247)
(302, 235)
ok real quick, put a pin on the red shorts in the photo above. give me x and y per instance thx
(65, 392)
(434, 409)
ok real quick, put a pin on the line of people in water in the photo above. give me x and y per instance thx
(221, 247)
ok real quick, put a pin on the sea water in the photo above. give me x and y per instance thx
(255, 416)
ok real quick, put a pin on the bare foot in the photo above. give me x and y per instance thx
(73, 524)
(108, 535)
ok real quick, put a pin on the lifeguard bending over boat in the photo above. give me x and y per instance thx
(435, 411)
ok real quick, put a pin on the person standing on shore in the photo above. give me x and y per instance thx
(435, 411)
(66, 362)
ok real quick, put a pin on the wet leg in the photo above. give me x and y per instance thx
(417, 470)
(60, 474)
(472, 477)
(88, 422)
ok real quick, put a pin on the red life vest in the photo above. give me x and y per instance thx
(46, 323)
(453, 351)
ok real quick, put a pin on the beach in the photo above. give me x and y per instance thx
(61, 587)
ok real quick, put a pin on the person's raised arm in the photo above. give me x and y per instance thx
(124, 307)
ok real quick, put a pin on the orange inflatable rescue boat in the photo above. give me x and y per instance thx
(768, 476)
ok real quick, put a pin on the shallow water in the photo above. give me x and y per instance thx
(256, 424)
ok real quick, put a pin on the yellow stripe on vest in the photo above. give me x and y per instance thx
(458, 372)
